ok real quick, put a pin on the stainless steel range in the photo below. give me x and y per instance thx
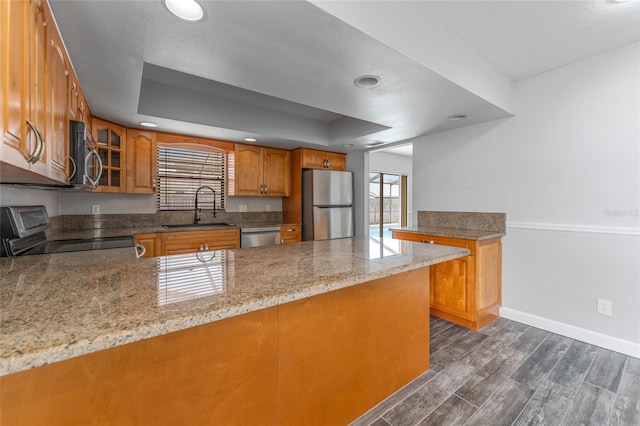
(22, 230)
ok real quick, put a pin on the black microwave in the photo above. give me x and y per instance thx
(86, 164)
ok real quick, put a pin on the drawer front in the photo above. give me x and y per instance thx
(291, 234)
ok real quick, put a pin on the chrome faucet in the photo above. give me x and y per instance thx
(196, 216)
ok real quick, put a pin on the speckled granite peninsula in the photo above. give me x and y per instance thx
(310, 333)
(60, 306)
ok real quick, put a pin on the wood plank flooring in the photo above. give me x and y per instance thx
(512, 374)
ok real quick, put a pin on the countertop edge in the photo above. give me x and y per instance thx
(479, 235)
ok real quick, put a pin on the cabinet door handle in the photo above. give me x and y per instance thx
(75, 168)
(41, 145)
(206, 247)
(33, 129)
(427, 241)
(87, 159)
(265, 190)
(37, 153)
(290, 229)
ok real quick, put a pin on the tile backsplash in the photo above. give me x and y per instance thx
(495, 222)
(112, 221)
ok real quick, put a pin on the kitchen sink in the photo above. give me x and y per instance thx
(199, 225)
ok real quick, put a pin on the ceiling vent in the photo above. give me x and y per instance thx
(372, 144)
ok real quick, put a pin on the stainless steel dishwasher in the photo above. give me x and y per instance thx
(258, 237)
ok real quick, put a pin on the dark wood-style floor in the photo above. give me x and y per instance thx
(512, 374)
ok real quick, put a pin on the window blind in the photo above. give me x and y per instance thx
(184, 169)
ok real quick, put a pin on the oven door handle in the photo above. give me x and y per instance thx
(140, 250)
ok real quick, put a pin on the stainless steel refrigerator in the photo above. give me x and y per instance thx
(327, 204)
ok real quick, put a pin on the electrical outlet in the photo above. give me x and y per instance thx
(95, 209)
(242, 208)
(605, 307)
(268, 207)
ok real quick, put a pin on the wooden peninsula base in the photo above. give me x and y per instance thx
(322, 360)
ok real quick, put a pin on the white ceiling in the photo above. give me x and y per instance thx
(524, 38)
(283, 71)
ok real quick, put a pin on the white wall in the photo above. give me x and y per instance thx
(22, 196)
(358, 163)
(384, 162)
(566, 169)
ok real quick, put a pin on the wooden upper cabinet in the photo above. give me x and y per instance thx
(255, 170)
(24, 50)
(36, 84)
(314, 159)
(245, 174)
(111, 140)
(15, 148)
(277, 172)
(336, 161)
(57, 109)
(141, 161)
(40, 95)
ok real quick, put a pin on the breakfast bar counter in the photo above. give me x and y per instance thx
(104, 315)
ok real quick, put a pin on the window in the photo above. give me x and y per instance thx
(182, 169)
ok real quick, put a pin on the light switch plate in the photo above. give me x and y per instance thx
(95, 209)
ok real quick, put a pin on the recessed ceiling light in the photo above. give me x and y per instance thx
(147, 124)
(367, 81)
(250, 139)
(456, 117)
(348, 145)
(189, 10)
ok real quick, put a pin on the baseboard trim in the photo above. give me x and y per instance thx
(608, 342)
(611, 230)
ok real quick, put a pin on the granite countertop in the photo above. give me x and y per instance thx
(466, 234)
(59, 306)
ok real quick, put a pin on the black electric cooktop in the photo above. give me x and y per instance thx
(63, 246)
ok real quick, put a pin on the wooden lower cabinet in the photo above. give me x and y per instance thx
(323, 360)
(194, 241)
(183, 242)
(151, 244)
(468, 290)
(290, 234)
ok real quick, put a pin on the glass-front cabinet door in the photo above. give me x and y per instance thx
(111, 139)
